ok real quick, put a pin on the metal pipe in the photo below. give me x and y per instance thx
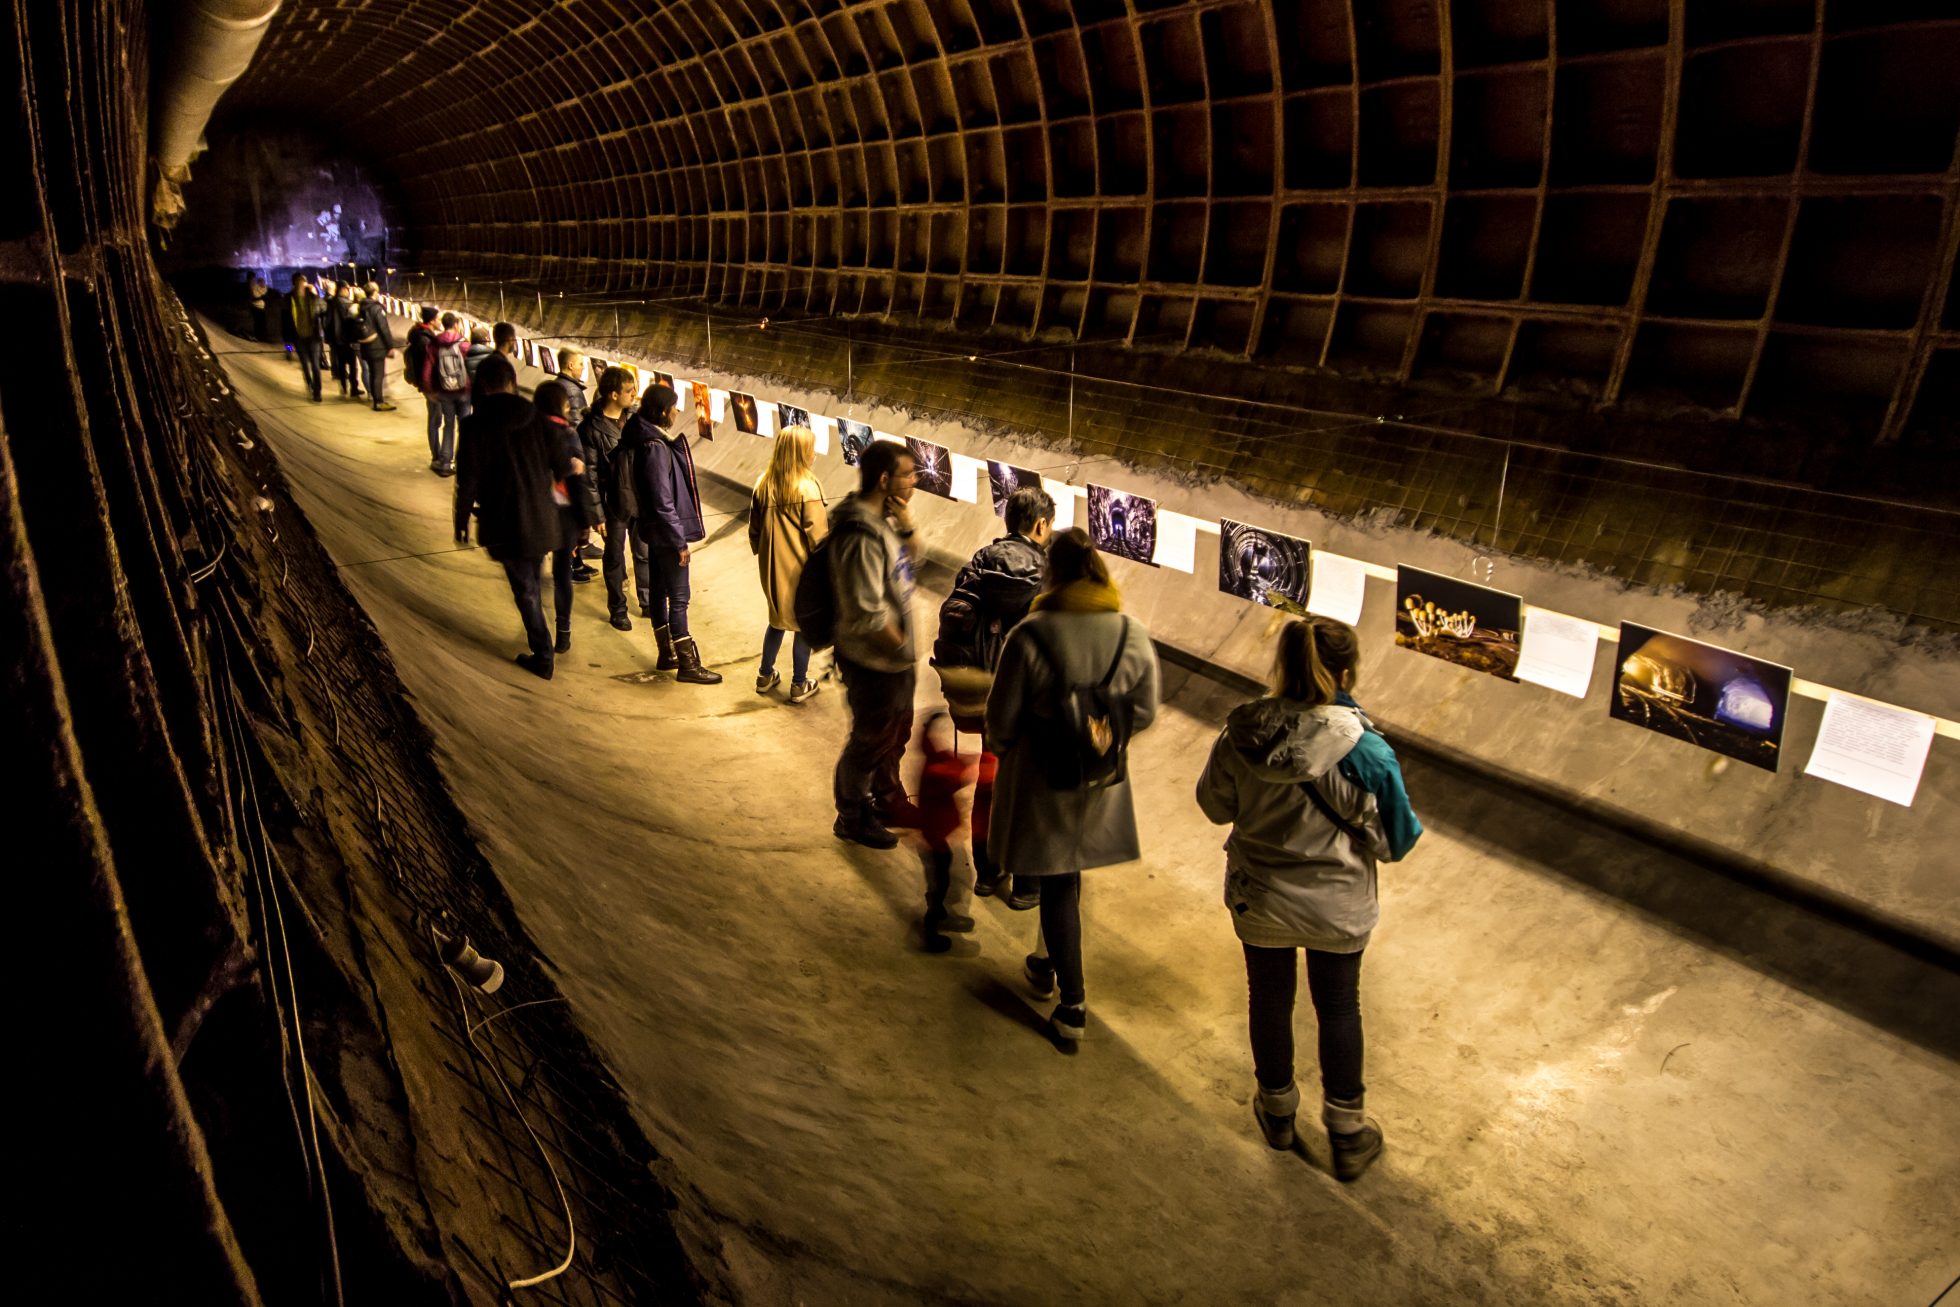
(210, 44)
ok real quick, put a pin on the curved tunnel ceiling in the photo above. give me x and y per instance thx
(1749, 212)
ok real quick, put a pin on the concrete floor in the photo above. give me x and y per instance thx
(1585, 1101)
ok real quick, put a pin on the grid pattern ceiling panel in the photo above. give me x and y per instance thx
(1735, 208)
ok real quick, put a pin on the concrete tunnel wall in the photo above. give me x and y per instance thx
(1882, 859)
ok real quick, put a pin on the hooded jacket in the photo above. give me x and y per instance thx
(1293, 879)
(871, 576)
(998, 584)
(670, 497)
(450, 339)
(598, 437)
(575, 401)
(474, 356)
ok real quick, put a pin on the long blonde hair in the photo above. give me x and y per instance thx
(788, 479)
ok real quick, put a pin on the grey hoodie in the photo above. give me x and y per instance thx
(1292, 878)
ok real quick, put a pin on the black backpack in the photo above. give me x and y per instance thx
(1086, 744)
(816, 591)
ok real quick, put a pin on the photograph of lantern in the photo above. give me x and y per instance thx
(854, 438)
(1264, 567)
(1461, 622)
(1702, 693)
(1123, 524)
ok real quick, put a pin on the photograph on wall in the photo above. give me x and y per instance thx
(854, 438)
(1460, 622)
(1264, 567)
(935, 466)
(789, 415)
(1004, 479)
(548, 360)
(661, 379)
(1702, 693)
(1123, 524)
(743, 406)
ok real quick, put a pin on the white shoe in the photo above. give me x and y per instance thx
(764, 684)
(803, 691)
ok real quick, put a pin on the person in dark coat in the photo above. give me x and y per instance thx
(670, 522)
(415, 354)
(576, 514)
(343, 314)
(506, 466)
(374, 341)
(257, 296)
(302, 323)
(599, 436)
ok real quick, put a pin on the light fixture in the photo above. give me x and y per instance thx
(482, 973)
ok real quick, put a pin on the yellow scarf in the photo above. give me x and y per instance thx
(1084, 596)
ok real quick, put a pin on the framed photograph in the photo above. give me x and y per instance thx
(1264, 567)
(789, 415)
(935, 466)
(854, 438)
(1123, 524)
(743, 407)
(660, 379)
(548, 360)
(1702, 693)
(1004, 479)
(1460, 622)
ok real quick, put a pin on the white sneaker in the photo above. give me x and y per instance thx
(764, 684)
(803, 691)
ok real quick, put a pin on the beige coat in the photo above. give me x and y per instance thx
(781, 536)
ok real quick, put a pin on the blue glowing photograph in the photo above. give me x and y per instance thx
(1264, 567)
(1702, 693)
(853, 438)
(1123, 524)
(1004, 479)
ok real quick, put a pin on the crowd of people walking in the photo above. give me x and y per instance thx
(1033, 652)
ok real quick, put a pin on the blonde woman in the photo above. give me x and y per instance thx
(786, 519)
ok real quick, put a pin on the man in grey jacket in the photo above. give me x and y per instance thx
(872, 552)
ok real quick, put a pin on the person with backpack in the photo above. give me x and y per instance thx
(506, 465)
(374, 341)
(990, 596)
(786, 521)
(670, 523)
(445, 381)
(865, 574)
(1315, 799)
(301, 323)
(415, 353)
(343, 318)
(599, 436)
(1076, 680)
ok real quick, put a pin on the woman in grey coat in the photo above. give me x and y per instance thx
(1315, 799)
(1074, 634)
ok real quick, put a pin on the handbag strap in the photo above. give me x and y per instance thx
(1347, 827)
(1122, 644)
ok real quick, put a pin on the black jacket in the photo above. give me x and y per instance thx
(990, 596)
(370, 333)
(574, 399)
(505, 465)
(598, 436)
(416, 353)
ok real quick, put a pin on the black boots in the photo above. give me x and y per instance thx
(664, 640)
(690, 670)
(1355, 1140)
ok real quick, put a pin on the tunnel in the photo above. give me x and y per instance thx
(1593, 364)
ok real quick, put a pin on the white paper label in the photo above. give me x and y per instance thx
(765, 419)
(1873, 748)
(1339, 585)
(1177, 541)
(717, 405)
(966, 478)
(1064, 496)
(1557, 651)
(821, 427)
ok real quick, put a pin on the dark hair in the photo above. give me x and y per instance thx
(1027, 506)
(503, 333)
(612, 381)
(429, 312)
(879, 459)
(551, 399)
(1318, 658)
(449, 320)
(1072, 556)
(495, 374)
(299, 279)
(657, 405)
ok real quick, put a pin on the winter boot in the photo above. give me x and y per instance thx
(1274, 1109)
(1356, 1140)
(688, 655)
(564, 644)
(664, 640)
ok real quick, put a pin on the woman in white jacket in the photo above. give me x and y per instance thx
(1315, 799)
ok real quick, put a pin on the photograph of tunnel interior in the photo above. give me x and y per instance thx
(363, 966)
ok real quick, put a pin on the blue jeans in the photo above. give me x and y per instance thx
(669, 591)
(799, 655)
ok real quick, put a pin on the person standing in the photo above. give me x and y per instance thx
(1076, 638)
(415, 351)
(567, 498)
(374, 341)
(990, 596)
(303, 325)
(256, 295)
(506, 464)
(599, 437)
(786, 520)
(343, 320)
(670, 522)
(446, 387)
(572, 369)
(478, 351)
(504, 339)
(871, 560)
(1315, 799)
